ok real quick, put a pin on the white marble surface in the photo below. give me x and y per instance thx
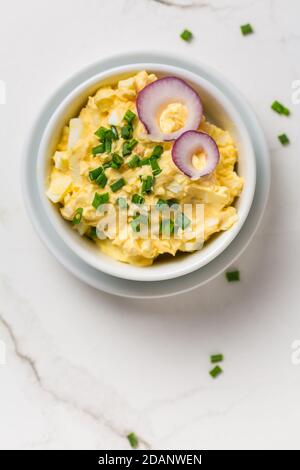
(83, 368)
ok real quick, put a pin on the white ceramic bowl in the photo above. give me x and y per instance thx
(217, 108)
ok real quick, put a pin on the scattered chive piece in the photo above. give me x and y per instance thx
(129, 116)
(102, 180)
(283, 138)
(117, 185)
(182, 221)
(77, 216)
(126, 132)
(186, 35)
(276, 106)
(157, 151)
(215, 372)
(134, 162)
(147, 184)
(233, 276)
(122, 203)
(98, 149)
(137, 199)
(280, 108)
(101, 133)
(115, 134)
(156, 170)
(100, 199)
(93, 174)
(246, 29)
(216, 358)
(128, 147)
(286, 111)
(133, 440)
(117, 160)
(166, 227)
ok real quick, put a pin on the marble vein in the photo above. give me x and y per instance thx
(66, 383)
(215, 413)
(23, 357)
(206, 4)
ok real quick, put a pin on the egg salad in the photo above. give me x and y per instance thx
(105, 155)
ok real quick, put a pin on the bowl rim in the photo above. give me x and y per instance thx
(116, 268)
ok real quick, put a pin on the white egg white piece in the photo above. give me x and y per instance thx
(75, 129)
(114, 118)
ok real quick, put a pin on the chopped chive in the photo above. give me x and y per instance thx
(147, 184)
(134, 162)
(280, 108)
(144, 161)
(233, 276)
(128, 147)
(286, 111)
(246, 29)
(135, 225)
(102, 180)
(156, 170)
(162, 204)
(216, 371)
(216, 358)
(117, 185)
(166, 227)
(98, 149)
(157, 151)
(129, 116)
(283, 138)
(186, 35)
(133, 440)
(137, 199)
(108, 145)
(107, 164)
(109, 135)
(93, 174)
(77, 216)
(137, 221)
(122, 203)
(276, 106)
(126, 132)
(101, 133)
(172, 202)
(100, 199)
(182, 221)
(115, 134)
(117, 160)
(93, 232)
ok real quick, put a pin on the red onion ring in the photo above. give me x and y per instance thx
(187, 145)
(157, 95)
